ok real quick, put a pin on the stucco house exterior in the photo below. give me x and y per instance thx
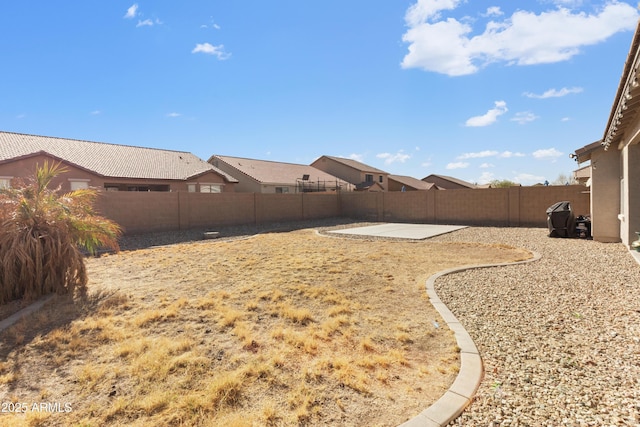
(109, 167)
(615, 160)
(359, 174)
(265, 176)
(447, 182)
(409, 183)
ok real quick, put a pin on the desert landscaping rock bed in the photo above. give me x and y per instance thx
(559, 338)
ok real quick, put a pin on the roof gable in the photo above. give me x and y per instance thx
(270, 172)
(450, 179)
(355, 164)
(412, 182)
(109, 160)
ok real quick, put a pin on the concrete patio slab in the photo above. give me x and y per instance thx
(401, 231)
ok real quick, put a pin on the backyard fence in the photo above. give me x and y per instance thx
(140, 212)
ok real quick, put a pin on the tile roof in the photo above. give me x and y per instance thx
(267, 171)
(109, 160)
(355, 164)
(451, 179)
(412, 182)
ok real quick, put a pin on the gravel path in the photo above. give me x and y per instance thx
(559, 338)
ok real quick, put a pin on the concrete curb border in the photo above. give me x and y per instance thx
(463, 389)
(15, 317)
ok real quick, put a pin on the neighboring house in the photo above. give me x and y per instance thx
(265, 176)
(615, 161)
(409, 183)
(448, 182)
(361, 175)
(109, 167)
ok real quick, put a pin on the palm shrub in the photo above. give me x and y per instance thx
(43, 234)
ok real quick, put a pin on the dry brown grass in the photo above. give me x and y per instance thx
(281, 329)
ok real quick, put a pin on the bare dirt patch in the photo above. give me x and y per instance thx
(280, 329)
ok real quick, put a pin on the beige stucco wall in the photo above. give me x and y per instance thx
(605, 195)
(630, 219)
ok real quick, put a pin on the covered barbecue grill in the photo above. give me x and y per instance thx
(561, 221)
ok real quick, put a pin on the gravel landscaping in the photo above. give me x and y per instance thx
(559, 338)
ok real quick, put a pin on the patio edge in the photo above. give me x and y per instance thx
(33, 307)
(463, 389)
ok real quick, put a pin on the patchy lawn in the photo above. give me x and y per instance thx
(279, 329)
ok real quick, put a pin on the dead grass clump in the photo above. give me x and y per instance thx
(229, 316)
(296, 315)
(225, 389)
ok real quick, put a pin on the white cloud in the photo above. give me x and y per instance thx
(389, 158)
(210, 49)
(528, 179)
(131, 12)
(565, 119)
(95, 112)
(548, 153)
(356, 157)
(145, 23)
(480, 154)
(524, 117)
(487, 166)
(493, 11)
(448, 46)
(489, 117)
(554, 93)
(457, 165)
(172, 115)
(428, 9)
(509, 154)
(486, 178)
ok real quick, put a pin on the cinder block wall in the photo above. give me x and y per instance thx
(320, 205)
(139, 212)
(514, 207)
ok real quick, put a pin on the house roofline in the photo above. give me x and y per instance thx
(628, 80)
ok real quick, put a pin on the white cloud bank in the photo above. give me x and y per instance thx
(399, 157)
(457, 165)
(447, 46)
(209, 49)
(478, 155)
(131, 12)
(524, 117)
(554, 93)
(547, 154)
(489, 117)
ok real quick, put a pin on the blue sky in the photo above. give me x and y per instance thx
(478, 90)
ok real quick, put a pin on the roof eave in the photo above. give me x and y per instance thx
(627, 89)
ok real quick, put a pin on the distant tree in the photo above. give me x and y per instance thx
(42, 233)
(502, 183)
(563, 179)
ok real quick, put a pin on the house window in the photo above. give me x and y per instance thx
(210, 188)
(380, 179)
(282, 189)
(5, 182)
(368, 178)
(79, 184)
(191, 188)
